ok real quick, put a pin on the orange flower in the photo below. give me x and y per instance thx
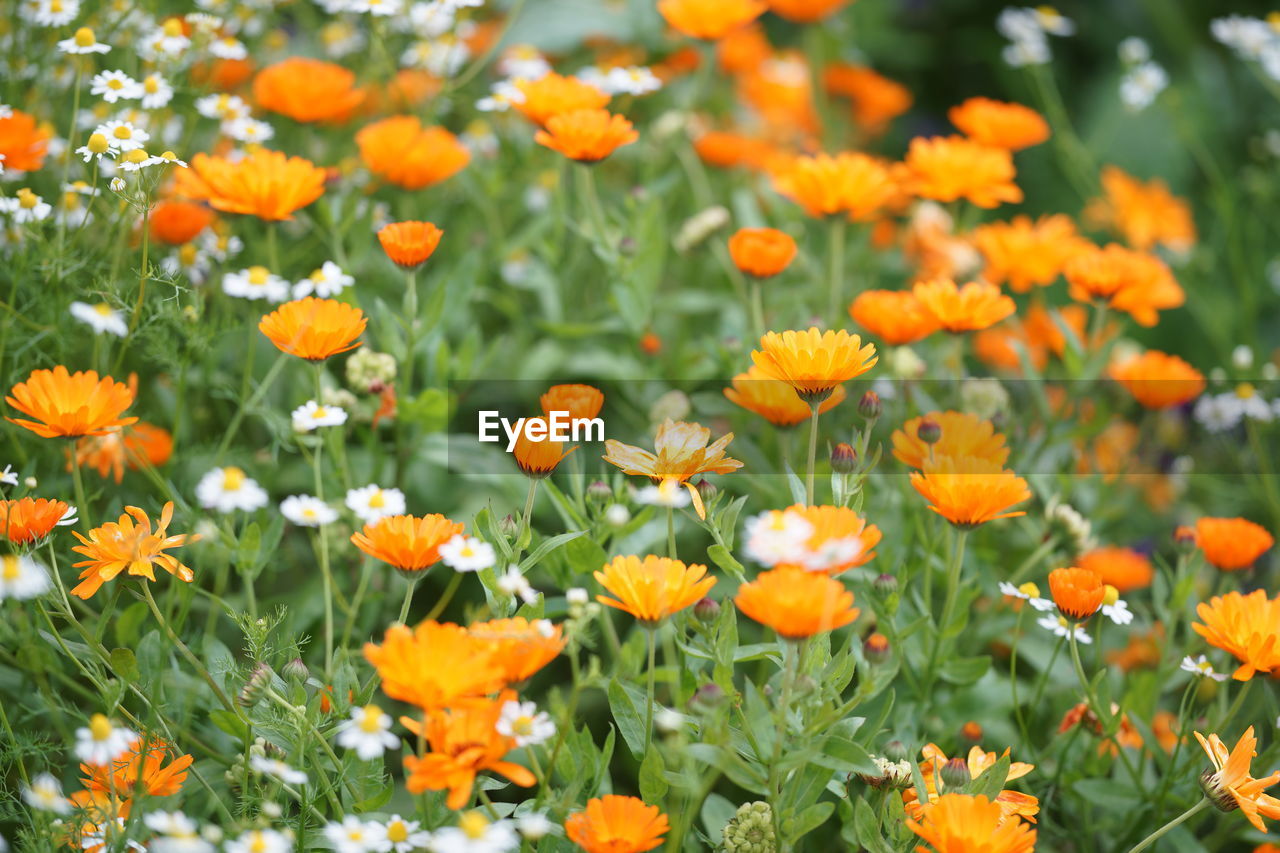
(70, 404)
(520, 647)
(615, 824)
(552, 94)
(464, 743)
(744, 49)
(307, 90)
(409, 543)
(539, 457)
(762, 252)
(1077, 592)
(1245, 626)
(730, 150)
(1123, 568)
(1157, 380)
(846, 184)
(812, 362)
(409, 244)
(835, 526)
(263, 183)
(138, 445)
(961, 434)
(948, 168)
(652, 588)
(1144, 650)
(314, 329)
(22, 142)
(436, 665)
(1230, 786)
(1025, 253)
(976, 305)
(682, 453)
(126, 546)
(709, 19)
(1144, 214)
(977, 762)
(1135, 282)
(805, 11)
(26, 521)
(1038, 333)
(969, 491)
(1232, 543)
(579, 401)
(178, 222)
(400, 150)
(587, 136)
(795, 603)
(139, 770)
(999, 124)
(877, 100)
(780, 93)
(960, 823)
(775, 400)
(896, 317)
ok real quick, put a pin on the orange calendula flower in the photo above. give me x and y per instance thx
(844, 184)
(1245, 626)
(1077, 592)
(578, 401)
(805, 11)
(1158, 380)
(1012, 803)
(409, 543)
(131, 546)
(314, 329)
(813, 362)
(1145, 214)
(877, 100)
(1232, 543)
(615, 824)
(960, 434)
(969, 491)
(681, 453)
(538, 457)
(307, 90)
(762, 252)
(134, 446)
(775, 400)
(178, 222)
(709, 19)
(520, 647)
(435, 665)
(400, 150)
(840, 539)
(141, 769)
(70, 404)
(1023, 253)
(23, 143)
(1123, 568)
(976, 305)
(949, 168)
(1229, 786)
(1135, 282)
(896, 317)
(409, 244)
(960, 823)
(1037, 333)
(265, 184)
(999, 124)
(795, 603)
(26, 521)
(552, 94)
(587, 136)
(652, 588)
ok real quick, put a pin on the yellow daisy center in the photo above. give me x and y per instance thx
(372, 721)
(100, 727)
(258, 276)
(474, 825)
(378, 501)
(232, 479)
(84, 37)
(122, 131)
(11, 572)
(397, 832)
(103, 309)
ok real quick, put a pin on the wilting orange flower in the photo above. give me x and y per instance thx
(877, 100)
(177, 222)
(22, 142)
(263, 183)
(134, 446)
(969, 491)
(464, 743)
(1024, 253)
(409, 244)
(999, 124)
(1230, 786)
(960, 823)
(1245, 626)
(1012, 803)
(796, 603)
(775, 400)
(1144, 214)
(709, 19)
(520, 647)
(1123, 568)
(948, 168)
(314, 329)
(1232, 543)
(961, 434)
(1077, 592)
(400, 150)
(552, 94)
(129, 545)
(70, 404)
(615, 824)
(805, 11)
(812, 362)
(579, 401)
(1135, 282)
(762, 252)
(307, 90)
(652, 588)
(682, 453)
(1157, 380)
(587, 136)
(976, 305)
(435, 665)
(28, 520)
(409, 543)
(896, 317)
(538, 458)
(845, 184)
(835, 528)
(141, 769)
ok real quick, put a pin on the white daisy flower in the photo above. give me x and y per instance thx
(223, 107)
(533, 826)
(114, 86)
(26, 207)
(368, 732)
(1201, 668)
(1118, 612)
(261, 841)
(167, 41)
(525, 724)
(514, 583)
(101, 317)
(467, 554)
(376, 8)
(55, 13)
(307, 511)
(176, 833)
(667, 493)
(156, 92)
(22, 578)
(1141, 84)
(354, 835)
(374, 502)
(833, 552)
(777, 536)
(227, 489)
(1218, 412)
(82, 42)
(524, 62)
(100, 743)
(576, 596)
(431, 19)
(312, 415)
(122, 135)
(45, 794)
(229, 48)
(277, 769)
(107, 836)
(1134, 51)
(475, 833)
(245, 129)
(636, 80)
(327, 281)
(502, 95)
(256, 282)
(1062, 628)
(405, 835)
(190, 261)
(1028, 592)
(8, 476)
(69, 518)
(220, 247)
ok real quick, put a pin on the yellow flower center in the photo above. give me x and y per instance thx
(55, 6)
(1110, 595)
(372, 721)
(137, 155)
(187, 254)
(397, 832)
(151, 84)
(1273, 18)
(173, 28)
(103, 309)
(115, 83)
(1030, 590)
(258, 844)
(319, 413)
(1204, 666)
(84, 37)
(317, 275)
(122, 131)
(232, 479)
(169, 155)
(1062, 622)
(27, 198)
(258, 276)
(98, 143)
(308, 513)
(467, 551)
(378, 501)
(100, 727)
(522, 725)
(474, 825)
(1244, 390)
(11, 572)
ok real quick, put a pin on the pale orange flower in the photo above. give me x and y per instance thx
(999, 124)
(265, 184)
(796, 603)
(652, 588)
(1232, 543)
(877, 100)
(969, 491)
(976, 305)
(26, 521)
(70, 404)
(616, 824)
(1135, 282)
(1146, 215)
(314, 329)
(960, 823)
(949, 168)
(400, 150)
(307, 90)
(961, 434)
(23, 142)
(1023, 253)
(896, 317)
(1231, 786)
(409, 244)
(435, 665)
(520, 647)
(775, 400)
(1245, 626)
(1037, 333)
(845, 184)
(587, 136)
(579, 401)
(137, 445)
(835, 526)
(409, 543)
(813, 362)
(130, 546)
(552, 94)
(780, 93)
(681, 453)
(1158, 380)
(709, 19)
(744, 50)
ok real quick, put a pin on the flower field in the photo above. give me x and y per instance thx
(475, 426)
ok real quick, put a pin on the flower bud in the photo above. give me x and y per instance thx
(971, 732)
(844, 459)
(955, 774)
(870, 406)
(885, 584)
(706, 490)
(599, 492)
(1184, 538)
(707, 698)
(895, 750)
(876, 648)
(929, 431)
(255, 686)
(617, 515)
(706, 610)
(295, 671)
(1217, 792)
(750, 830)
(508, 526)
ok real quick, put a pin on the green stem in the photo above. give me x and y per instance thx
(671, 532)
(812, 462)
(405, 390)
(408, 599)
(323, 545)
(258, 394)
(446, 597)
(948, 603)
(1236, 705)
(649, 686)
(757, 307)
(790, 667)
(835, 271)
(1155, 836)
(77, 477)
(186, 652)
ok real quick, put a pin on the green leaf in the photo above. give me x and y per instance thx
(867, 829)
(844, 756)
(964, 671)
(992, 780)
(548, 545)
(653, 786)
(1112, 796)
(716, 812)
(628, 714)
(720, 555)
(230, 723)
(377, 801)
(811, 818)
(125, 665)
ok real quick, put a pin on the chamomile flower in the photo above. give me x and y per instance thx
(245, 129)
(83, 42)
(534, 825)
(277, 769)
(475, 833)
(312, 415)
(123, 136)
(223, 107)
(97, 146)
(405, 835)
(514, 583)
(8, 476)
(220, 247)
(227, 489)
(636, 80)
(156, 92)
(176, 833)
(777, 536)
(256, 282)
(327, 281)
(55, 13)
(307, 511)
(667, 493)
(114, 86)
(26, 207)
(467, 554)
(100, 743)
(45, 794)
(373, 502)
(261, 841)
(229, 47)
(22, 578)
(431, 19)
(1028, 592)
(368, 732)
(1115, 608)
(1141, 84)
(101, 317)
(524, 62)
(1060, 627)
(109, 835)
(166, 41)
(1201, 668)
(354, 835)
(525, 724)
(189, 260)
(502, 95)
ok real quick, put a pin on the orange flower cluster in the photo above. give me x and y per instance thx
(400, 150)
(1145, 215)
(949, 168)
(1012, 804)
(314, 329)
(1158, 380)
(877, 100)
(845, 184)
(1137, 283)
(775, 400)
(796, 603)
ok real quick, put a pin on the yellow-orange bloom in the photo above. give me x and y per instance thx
(949, 168)
(178, 222)
(1245, 626)
(587, 136)
(1158, 380)
(520, 647)
(1136, 282)
(877, 100)
(26, 521)
(1230, 785)
(976, 305)
(681, 453)
(409, 543)
(846, 184)
(1144, 214)
(969, 491)
(1123, 568)
(23, 142)
(265, 184)
(1077, 592)
(762, 252)
(812, 362)
(129, 545)
(539, 457)
(999, 124)
(140, 771)
(795, 603)
(709, 19)
(70, 404)
(616, 824)
(961, 434)
(552, 94)
(805, 11)
(978, 761)
(774, 400)
(135, 446)
(314, 329)
(436, 665)
(960, 823)
(409, 244)
(896, 317)
(1023, 253)
(400, 150)
(652, 588)
(307, 90)
(578, 401)
(835, 528)
(1232, 543)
